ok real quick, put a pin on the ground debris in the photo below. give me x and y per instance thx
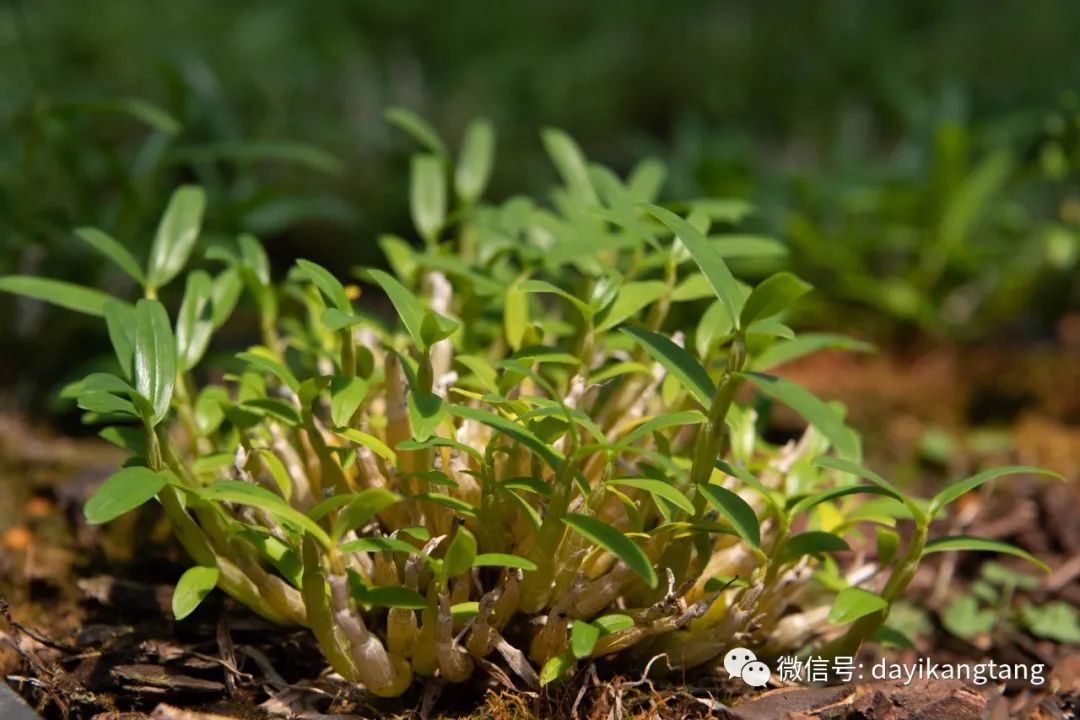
(163, 676)
(921, 700)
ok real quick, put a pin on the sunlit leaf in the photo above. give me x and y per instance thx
(967, 542)
(64, 294)
(123, 491)
(477, 155)
(852, 603)
(192, 588)
(176, 235)
(614, 542)
(677, 361)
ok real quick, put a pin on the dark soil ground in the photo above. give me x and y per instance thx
(86, 630)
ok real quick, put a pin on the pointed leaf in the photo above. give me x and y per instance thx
(677, 361)
(778, 353)
(614, 542)
(860, 471)
(583, 637)
(826, 420)
(122, 492)
(328, 285)
(113, 250)
(736, 511)
(774, 295)
(503, 560)
(705, 255)
(417, 127)
(195, 323)
(474, 165)
(408, 306)
(176, 235)
(192, 587)
(812, 542)
(658, 489)
(956, 489)
(120, 322)
(967, 542)
(155, 357)
(852, 603)
(570, 162)
(345, 396)
(460, 555)
(63, 294)
(427, 196)
(633, 297)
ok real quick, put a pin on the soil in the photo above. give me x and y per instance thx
(86, 629)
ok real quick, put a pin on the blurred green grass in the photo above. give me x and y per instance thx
(854, 126)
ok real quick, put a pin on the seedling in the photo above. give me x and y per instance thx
(545, 445)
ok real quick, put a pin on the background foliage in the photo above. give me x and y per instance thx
(866, 134)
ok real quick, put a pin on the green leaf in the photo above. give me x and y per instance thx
(963, 617)
(859, 471)
(826, 420)
(380, 544)
(155, 357)
(543, 286)
(967, 542)
(736, 511)
(810, 501)
(474, 164)
(633, 297)
(225, 294)
(120, 322)
(408, 306)
(812, 542)
(417, 127)
(503, 560)
(426, 413)
(334, 319)
(646, 180)
(583, 637)
(852, 603)
(771, 297)
(515, 316)
(512, 429)
(113, 250)
(677, 361)
(371, 442)
(778, 353)
(363, 506)
(123, 491)
(570, 162)
(615, 543)
(346, 394)
(705, 255)
(891, 637)
(613, 623)
(176, 235)
(63, 294)
(427, 196)
(243, 493)
(956, 489)
(391, 596)
(435, 327)
(460, 555)
(272, 367)
(556, 667)
(328, 285)
(192, 587)
(195, 322)
(658, 489)
(1057, 621)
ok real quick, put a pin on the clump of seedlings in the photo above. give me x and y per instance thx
(543, 458)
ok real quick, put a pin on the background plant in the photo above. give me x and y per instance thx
(545, 457)
(854, 129)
